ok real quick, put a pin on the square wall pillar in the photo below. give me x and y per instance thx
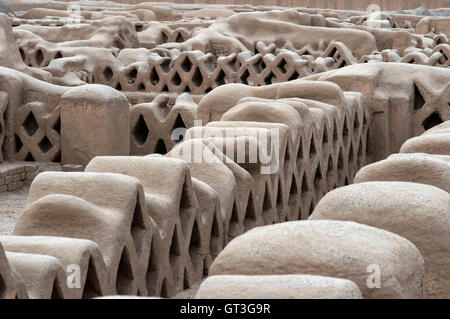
(95, 120)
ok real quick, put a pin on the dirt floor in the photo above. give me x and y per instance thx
(12, 205)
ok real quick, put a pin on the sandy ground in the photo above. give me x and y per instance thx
(12, 205)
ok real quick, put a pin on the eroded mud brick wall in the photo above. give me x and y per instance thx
(337, 101)
(327, 4)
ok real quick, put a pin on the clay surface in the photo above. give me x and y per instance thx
(259, 150)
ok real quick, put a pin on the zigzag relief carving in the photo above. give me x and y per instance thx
(157, 126)
(420, 103)
(118, 224)
(85, 253)
(179, 244)
(165, 150)
(175, 60)
(11, 283)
